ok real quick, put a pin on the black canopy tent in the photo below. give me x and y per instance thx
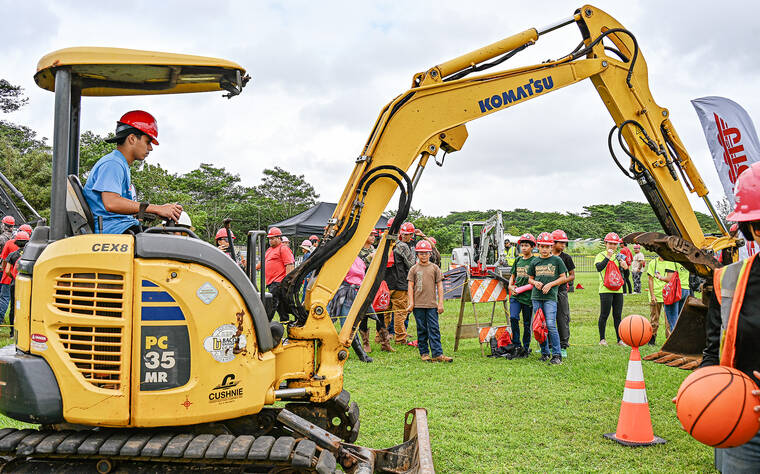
(314, 220)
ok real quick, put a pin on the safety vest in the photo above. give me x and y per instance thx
(730, 283)
(511, 254)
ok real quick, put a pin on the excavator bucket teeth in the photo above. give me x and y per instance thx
(683, 348)
(414, 455)
(676, 249)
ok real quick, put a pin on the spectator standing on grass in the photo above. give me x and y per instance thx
(656, 275)
(546, 273)
(609, 299)
(9, 247)
(10, 271)
(638, 262)
(6, 235)
(367, 253)
(396, 277)
(521, 303)
(425, 294)
(627, 289)
(563, 302)
(673, 310)
(279, 262)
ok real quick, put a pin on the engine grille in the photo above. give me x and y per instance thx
(90, 294)
(96, 352)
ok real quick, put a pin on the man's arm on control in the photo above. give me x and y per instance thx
(121, 205)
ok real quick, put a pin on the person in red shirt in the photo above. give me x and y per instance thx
(12, 251)
(9, 247)
(627, 288)
(279, 262)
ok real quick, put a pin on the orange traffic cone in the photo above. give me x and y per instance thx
(634, 424)
(579, 287)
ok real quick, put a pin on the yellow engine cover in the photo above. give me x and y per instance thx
(144, 342)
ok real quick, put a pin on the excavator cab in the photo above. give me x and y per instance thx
(159, 344)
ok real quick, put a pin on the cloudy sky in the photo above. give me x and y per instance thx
(322, 71)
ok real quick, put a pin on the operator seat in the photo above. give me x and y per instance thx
(78, 211)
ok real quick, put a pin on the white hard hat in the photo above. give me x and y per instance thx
(184, 221)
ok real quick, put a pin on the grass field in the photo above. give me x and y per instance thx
(490, 415)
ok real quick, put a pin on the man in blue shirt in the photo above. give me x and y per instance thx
(109, 190)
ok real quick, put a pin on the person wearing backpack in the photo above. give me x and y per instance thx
(521, 302)
(608, 263)
(681, 286)
(546, 272)
(657, 274)
(367, 253)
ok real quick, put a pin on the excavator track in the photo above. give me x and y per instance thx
(144, 450)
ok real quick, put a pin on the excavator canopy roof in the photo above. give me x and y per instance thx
(117, 71)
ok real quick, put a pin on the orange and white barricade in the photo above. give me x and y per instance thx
(475, 291)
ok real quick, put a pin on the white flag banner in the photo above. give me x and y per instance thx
(731, 137)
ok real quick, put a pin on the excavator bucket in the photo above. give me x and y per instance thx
(683, 348)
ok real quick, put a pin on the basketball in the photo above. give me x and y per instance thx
(715, 406)
(635, 330)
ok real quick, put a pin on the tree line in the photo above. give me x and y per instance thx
(211, 194)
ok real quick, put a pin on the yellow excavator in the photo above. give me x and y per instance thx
(153, 352)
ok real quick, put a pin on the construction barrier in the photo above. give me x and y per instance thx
(475, 291)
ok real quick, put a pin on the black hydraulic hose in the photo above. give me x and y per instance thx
(588, 49)
(614, 157)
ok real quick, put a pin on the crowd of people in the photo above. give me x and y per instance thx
(12, 242)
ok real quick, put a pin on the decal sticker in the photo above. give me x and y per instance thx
(165, 357)
(207, 293)
(39, 342)
(221, 344)
(227, 391)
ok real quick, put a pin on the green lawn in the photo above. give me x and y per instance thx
(490, 415)
(502, 415)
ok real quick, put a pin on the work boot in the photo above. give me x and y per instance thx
(357, 345)
(556, 360)
(442, 358)
(365, 341)
(653, 340)
(385, 341)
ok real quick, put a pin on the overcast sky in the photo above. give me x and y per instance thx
(322, 71)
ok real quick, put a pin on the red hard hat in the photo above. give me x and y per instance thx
(433, 241)
(140, 120)
(559, 236)
(222, 234)
(423, 246)
(389, 223)
(545, 238)
(407, 228)
(528, 238)
(613, 238)
(26, 228)
(21, 235)
(375, 233)
(734, 228)
(747, 191)
(313, 237)
(9, 220)
(274, 232)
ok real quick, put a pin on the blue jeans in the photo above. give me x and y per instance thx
(550, 313)
(5, 298)
(428, 331)
(741, 459)
(515, 307)
(673, 310)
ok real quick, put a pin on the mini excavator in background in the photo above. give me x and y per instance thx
(153, 352)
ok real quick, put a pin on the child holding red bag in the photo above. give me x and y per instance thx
(546, 273)
(608, 263)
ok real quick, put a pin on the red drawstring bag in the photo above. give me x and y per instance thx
(540, 331)
(672, 291)
(505, 339)
(613, 279)
(382, 299)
